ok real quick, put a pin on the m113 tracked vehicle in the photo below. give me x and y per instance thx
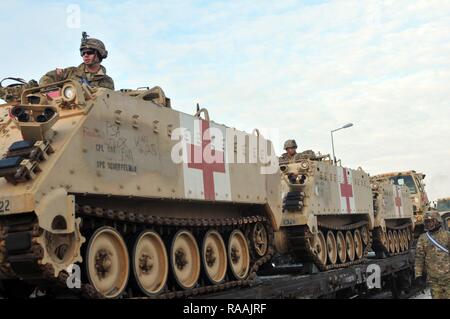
(443, 207)
(418, 195)
(333, 216)
(88, 178)
(394, 218)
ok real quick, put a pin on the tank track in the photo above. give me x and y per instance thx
(33, 272)
(25, 263)
(378, 246)
(299, 237)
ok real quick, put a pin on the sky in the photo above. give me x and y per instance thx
(303, 68)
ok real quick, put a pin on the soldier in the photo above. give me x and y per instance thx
(91, 71)
(290, 146)
(432, 256)
(291, 154)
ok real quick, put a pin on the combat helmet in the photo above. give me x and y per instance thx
(290, 143)
(94, 44)
(433, 215)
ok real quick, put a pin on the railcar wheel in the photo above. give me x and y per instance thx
(341, 247)
(238, 255)
(185, 259)
(214, 257)
(107, 262)
(150, 263)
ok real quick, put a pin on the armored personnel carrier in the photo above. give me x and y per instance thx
(443, 204)
(394, 218)
(333, 215)
(443, 207)
(327, 213)
(418, 195)
(91, 177)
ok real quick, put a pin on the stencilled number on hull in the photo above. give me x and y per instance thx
(4, 206)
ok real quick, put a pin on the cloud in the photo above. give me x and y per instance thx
(301, 67)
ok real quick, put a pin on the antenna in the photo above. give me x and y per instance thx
(84, 37)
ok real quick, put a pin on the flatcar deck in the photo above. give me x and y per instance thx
(396, 275)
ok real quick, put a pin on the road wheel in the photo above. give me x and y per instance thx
(341, 247)
(320, 248)
(150, 263)
(214, 257)
(238, 255)
(185, 259)
(391, 241)
(332, 250)
(107, 262)
(350, 245)
(396, 241)
(358, 244)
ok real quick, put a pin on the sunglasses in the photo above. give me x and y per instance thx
(89, 52)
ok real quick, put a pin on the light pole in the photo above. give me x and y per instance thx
(332, 142)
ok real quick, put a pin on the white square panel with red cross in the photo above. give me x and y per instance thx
(205, 171)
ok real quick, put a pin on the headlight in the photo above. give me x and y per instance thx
(69, 93)
(304, 165)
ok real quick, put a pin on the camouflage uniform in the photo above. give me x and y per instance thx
(80, 73)
(99, 79)
(435, 263)
(286, 159)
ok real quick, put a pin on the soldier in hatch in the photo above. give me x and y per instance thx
(290, 146)
(91, 71)
(291, 154)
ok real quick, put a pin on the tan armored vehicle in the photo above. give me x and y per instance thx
(333, 216)
(327, 213)
(419, 198)
(443, 204)
(394, 218)
(90, 177)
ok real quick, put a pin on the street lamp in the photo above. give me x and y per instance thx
(332, 142)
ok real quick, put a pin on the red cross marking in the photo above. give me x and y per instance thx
(346, 190)
(398, 201)
(208, 169)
